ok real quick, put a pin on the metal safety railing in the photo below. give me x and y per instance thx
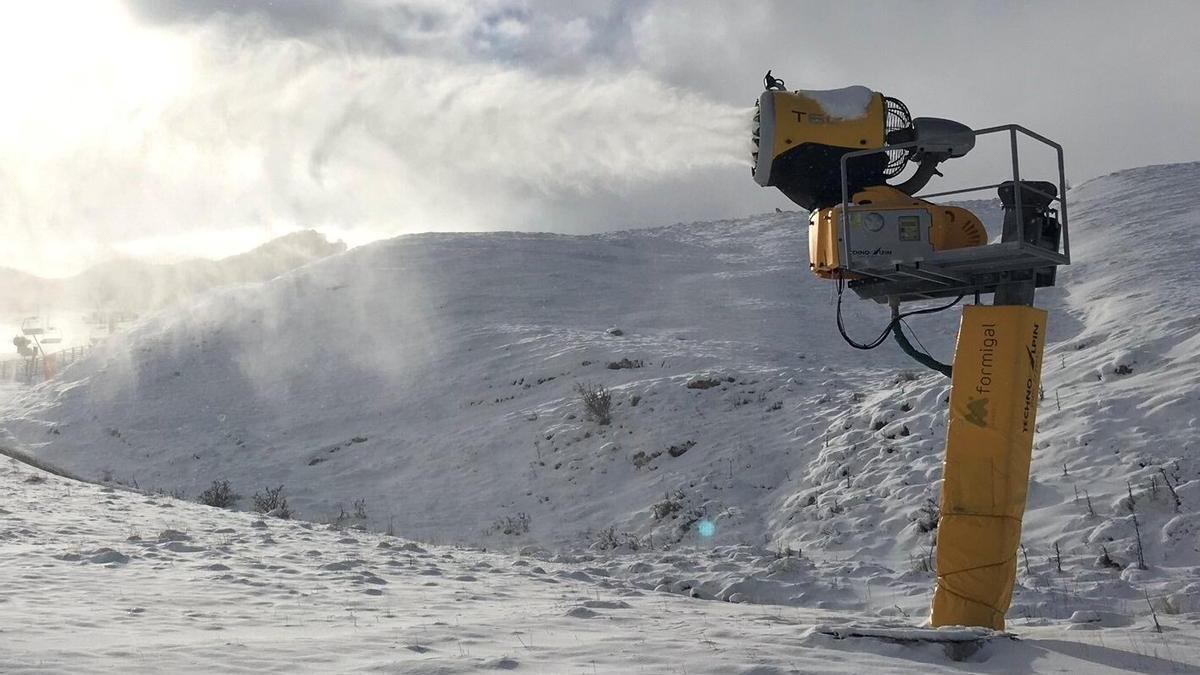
(34, 369)
(1018, 248)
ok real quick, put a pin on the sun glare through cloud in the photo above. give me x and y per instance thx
(138, 139)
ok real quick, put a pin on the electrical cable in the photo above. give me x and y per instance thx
(921, 357)
(892, 325)
(841, 327)
(916, 338)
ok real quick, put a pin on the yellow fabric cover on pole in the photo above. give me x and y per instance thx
(989, 441)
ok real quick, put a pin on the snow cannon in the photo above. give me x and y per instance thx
(841, 154)
(802, 136)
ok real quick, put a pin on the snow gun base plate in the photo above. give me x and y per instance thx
(959, 642)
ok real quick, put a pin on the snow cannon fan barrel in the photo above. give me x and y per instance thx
(801, 136)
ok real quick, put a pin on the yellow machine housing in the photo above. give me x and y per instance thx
(949, 227)
(802, 135)
(800, 118)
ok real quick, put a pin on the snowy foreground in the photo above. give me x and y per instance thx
(98, 579)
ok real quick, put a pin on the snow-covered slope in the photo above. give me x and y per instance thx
(105, 580)
(136, 285)
(433, 378)
(453, 360)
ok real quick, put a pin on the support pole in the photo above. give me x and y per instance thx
(989, 443)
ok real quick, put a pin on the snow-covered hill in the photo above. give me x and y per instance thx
(432, 380)
(135, 285)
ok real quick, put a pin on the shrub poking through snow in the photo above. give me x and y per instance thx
(703, 383)
(273, 502)
(609, 539)
(511, 525)
(597, 401)
(928, 516)
(678, 450)
(671, 504)
(219, 494)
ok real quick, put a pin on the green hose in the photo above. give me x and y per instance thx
(918, 356)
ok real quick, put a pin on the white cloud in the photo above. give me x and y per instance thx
(276, 132)
(134, 126)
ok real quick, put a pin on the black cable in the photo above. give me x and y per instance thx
(931, 310)
(916, 338)
(919, 356)
(842, 327)
(892, 325)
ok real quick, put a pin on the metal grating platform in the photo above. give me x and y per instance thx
(964, 271)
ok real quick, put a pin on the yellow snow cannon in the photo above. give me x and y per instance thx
(845, 154)
(840, 154)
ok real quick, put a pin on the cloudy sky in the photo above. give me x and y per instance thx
(174, 128)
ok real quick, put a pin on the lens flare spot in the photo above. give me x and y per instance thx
(706, 528)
